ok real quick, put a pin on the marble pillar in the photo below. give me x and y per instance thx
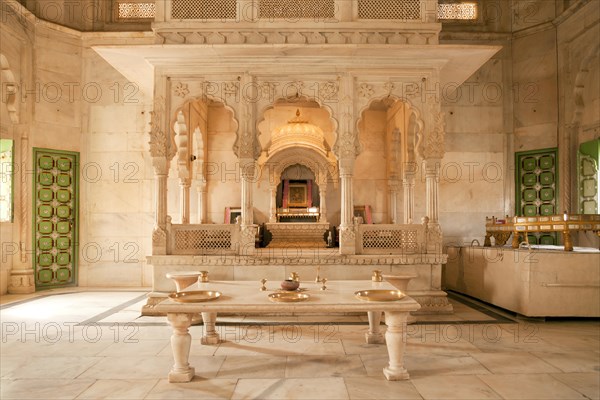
(347, 229)
(323, 204)
(248, 229)
(273, 205)
(408, 184)
(21, 275)
(184, 200)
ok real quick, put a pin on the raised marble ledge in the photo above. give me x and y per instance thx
(455, 62)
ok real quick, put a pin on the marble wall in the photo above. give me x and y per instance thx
(519, 100)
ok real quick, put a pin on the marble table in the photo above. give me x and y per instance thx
(242, 297)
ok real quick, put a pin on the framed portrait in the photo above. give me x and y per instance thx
(364, 212)
(297, 195)
(231, 213)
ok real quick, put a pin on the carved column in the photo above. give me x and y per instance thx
(393, 196)
(21, 275)
(347, 148)
(201, 191)
(273, 208)
(347, 228)
(408, 184)
(323, 203)
(433, 152)
(162, 151)
(432, 178)
(184, 168)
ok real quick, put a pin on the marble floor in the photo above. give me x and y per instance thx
(94, 345)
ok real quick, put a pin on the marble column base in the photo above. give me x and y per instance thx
(21, 281)
(182, 377)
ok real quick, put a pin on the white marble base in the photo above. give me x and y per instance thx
(534, 283)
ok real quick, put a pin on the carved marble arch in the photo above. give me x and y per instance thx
(411, 132)
(299, 100)
(10, 87)
(323, 170)
(190, 128)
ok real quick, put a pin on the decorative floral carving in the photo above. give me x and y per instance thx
(389, 87)
(365, 90)
(181, 89)
(158, 138)
(159, 237)
(434, 233)
(434, 140)
(328, 91)
(347, 234)
(231, 89)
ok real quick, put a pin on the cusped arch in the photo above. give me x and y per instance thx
(414, 112)
(206, 99)
(323, 170)
(332, 119)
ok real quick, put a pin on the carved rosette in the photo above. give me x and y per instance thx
(181, 89)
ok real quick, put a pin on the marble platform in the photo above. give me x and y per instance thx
(539, 282)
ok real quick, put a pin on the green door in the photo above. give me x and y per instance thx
(536, 188)
(55, 217)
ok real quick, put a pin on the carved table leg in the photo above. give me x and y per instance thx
(374, 336)
(180, 344)
(210, 334)
(487, 242)
(395, 338)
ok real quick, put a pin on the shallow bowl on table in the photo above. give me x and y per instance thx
(195, 296)
(379, 295)
(288, 297)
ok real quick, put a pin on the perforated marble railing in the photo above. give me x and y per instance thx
(191, 239)
(390, 239)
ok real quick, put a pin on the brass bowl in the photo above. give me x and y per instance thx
(379, 295)
(288, 297)
(196, 296)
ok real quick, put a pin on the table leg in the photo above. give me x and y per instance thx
(180, 344)
(395, 338)
(374, 336)
(210, 334)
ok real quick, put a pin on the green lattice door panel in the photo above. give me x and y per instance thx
(55, 222)
(588, 177)
(537, 187)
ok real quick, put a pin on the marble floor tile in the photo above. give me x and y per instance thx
(586, 383)
(530, 386)
(370, 387)
(252, 367)
(8, 364)
(323, 366)
(291, 389)
(573, 361)
(53, 367)
(198, 388)
(514, 363)
(47, 389)
(118, 389)
(136, 348)
(458, 387)
(357, 345)
(130, 367)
